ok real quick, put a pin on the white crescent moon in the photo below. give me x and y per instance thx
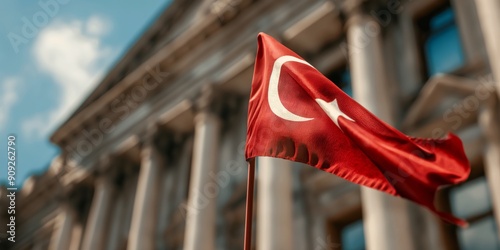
(272, 95)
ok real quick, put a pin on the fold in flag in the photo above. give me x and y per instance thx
(296, 113)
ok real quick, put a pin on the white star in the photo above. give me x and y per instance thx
(333, 111)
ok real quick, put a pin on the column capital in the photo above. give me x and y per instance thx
(106, 172)
(357, 11)
(103, 165)
(489, 119)
(162, 140)
(215, 102)
(68, 200)
(353, 7)
(150, 137)
(73, 199)
(129, 168)
(207, 101)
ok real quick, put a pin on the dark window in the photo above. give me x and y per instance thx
(471, 201)
(442, 47)
(353, 236)
(342, 78)
(345, 232)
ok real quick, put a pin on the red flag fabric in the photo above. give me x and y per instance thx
(296, 113)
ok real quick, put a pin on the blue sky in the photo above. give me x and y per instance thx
(52, 53)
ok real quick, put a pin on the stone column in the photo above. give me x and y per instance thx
(65, 222)
(489, 17)
(386, 218)
(76, 236)
(142, 228)
(490, 122)
(274, 204)
(100, 210)
(203, 191)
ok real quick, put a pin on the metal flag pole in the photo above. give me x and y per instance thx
(249, 205)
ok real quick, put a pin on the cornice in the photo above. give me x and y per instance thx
(143, 47)
(164, 59)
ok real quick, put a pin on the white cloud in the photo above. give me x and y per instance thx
(8, 97)
(73, 55)
(97, 25)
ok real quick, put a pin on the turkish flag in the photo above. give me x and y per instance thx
(296, 113)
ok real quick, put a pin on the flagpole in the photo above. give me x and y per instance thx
(249, 205)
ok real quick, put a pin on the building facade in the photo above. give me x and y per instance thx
(153, 158)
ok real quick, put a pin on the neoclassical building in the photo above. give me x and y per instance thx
(153, 158)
